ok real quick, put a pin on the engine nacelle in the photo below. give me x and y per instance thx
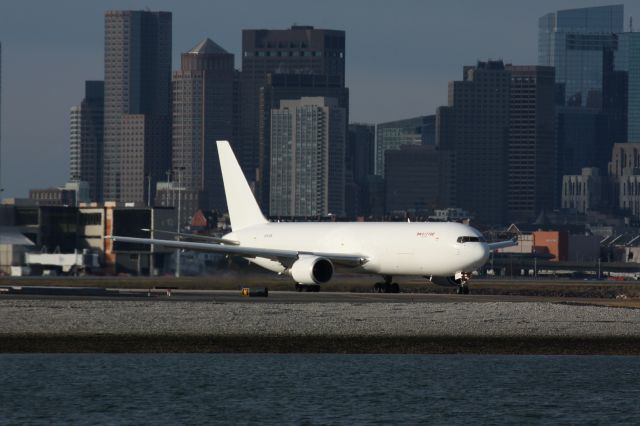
(311, 270)
(445, 281)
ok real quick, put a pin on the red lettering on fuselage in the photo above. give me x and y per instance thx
(425, 234)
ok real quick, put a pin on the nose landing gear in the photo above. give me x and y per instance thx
(462, 280)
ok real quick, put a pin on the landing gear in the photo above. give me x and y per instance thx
(387, 286)
(462, 289)
(315, 288)
(463, 280)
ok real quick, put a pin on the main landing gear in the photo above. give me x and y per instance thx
(307, 287)
(387, 286)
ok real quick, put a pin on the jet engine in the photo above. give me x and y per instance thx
(311, 270)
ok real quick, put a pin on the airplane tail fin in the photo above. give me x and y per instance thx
(243, 208)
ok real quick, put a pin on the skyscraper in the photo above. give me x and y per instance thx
(202, 114)
(531, 170)
(628, 59)
(298, 50)
(475, 125)
(574, 41)
(359, 165)
(581, 44)
(307, 158)
(137, 103)
(419, 178)
(1, 187)
(86, 139)
(278, 87)
(394, 134)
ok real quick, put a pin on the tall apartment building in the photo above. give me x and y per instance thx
(394, 134)
(86, 139)
(298, 50)
(307, 158)
(137, 103)
(531, 170)
(279, 87)
(202, 113)
(475, 125)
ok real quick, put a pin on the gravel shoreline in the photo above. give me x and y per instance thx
(53, 325)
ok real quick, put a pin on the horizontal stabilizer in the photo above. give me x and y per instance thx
(502, 244)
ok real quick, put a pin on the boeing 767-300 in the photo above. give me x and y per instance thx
(444, 252)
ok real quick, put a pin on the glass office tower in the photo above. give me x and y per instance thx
(574, 42)
(628, 59)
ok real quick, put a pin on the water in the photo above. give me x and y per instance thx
(317, 389)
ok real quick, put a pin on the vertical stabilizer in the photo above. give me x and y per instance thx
(243, 208)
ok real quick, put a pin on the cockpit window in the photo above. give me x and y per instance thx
(471, 239)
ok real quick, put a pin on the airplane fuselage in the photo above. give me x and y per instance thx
(391, 248)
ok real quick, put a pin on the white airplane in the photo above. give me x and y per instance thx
(445, 252)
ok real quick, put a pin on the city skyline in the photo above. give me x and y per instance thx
(411, 80)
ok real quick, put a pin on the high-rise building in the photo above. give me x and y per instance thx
(1, 188)
(202, 114)
(628, 59)
(359, 165)
(574, 41)
(418, 178)
(279, 87)
(531, 155)
(475, 125)
(360, 153)
(580, 134)
(298, 50)
(307, 158)
(410, 131)
(137, 103)
(86, 137)
(75, 142)
(591, 115)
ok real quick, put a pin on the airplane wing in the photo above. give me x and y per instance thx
(502, 244)
(286, 257)
(195, 236)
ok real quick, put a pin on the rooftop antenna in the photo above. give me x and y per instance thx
(630, 24)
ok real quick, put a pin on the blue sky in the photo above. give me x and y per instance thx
(400, 56)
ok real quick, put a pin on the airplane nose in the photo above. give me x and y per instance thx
(480, 255)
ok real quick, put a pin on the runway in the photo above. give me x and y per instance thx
(274, 297)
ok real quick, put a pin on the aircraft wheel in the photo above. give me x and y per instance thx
(395, 288)
(462, 289)
(298, 288)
